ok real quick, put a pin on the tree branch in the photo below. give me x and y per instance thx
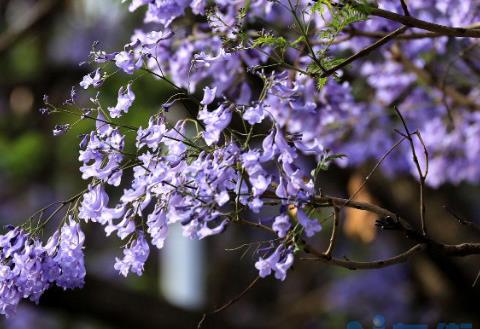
(461, 32)
(365, 51)
(356, 265)
(333, 237)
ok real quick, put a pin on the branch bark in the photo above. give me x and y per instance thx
(365, 51)
(356, 265)
(461, 32)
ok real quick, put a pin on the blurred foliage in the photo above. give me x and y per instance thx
(23, 157)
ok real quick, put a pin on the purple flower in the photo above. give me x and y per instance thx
(134, 256)
(69, 256)
(60, 130)
(215, 122)
(254, 114)
(92, 79)
(279, 262)
(29, 268)
(158, 226)
(129, 61)
(208, 95)
(197, 231)
(198, 6)
(255, 205)
(283, 266)
(153, 135)
(260, 183)
(281, 225)
(222, 198)
(135, 4)
(310, 226)
(94, 206)
(102, 155)
(124, 227)
(164, 12)
(125, 100)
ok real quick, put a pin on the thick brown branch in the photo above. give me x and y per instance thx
(409, 36)
(422, 176)
(463, 249)
(410, 21)
(460, 250)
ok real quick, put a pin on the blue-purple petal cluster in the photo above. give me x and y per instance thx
(28, 268)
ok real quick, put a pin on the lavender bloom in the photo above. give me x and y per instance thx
(28, 268)
(69, 256)
(195, 185)
(260, 183)
(157, 227)
(281, 225)
(124, 228)
(215, 122)
(222, 198)
(135, 4)
(134, 256)
(44, 111)
(283, 266)
(197, 231)
(125, 100)
(254, 114)
(60, 130)
(310, 226)
(94, 206)
(92, 79)
(198, 6)
(208, 95)
(102, 156)
(129, 61)
(279, 262)
(164, 12)
(153, 135)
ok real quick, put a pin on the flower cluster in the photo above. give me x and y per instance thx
(266, 119)
(28, 267)
(205, 181)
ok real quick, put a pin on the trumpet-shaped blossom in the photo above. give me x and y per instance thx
(134, 256)
(125, 100)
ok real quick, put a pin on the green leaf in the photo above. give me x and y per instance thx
(320, 5)
(270, 40)
(321, 82)
(324, 163)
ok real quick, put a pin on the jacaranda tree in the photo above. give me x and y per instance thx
(275, 91)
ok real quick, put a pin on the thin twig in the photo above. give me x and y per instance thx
(430, 80)
(405, 7)
(356, 265)
(333, 237)
(461, 220)
(377, 165)
(422, 175)
(365, 51)
(476, 280)
(229, 303)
